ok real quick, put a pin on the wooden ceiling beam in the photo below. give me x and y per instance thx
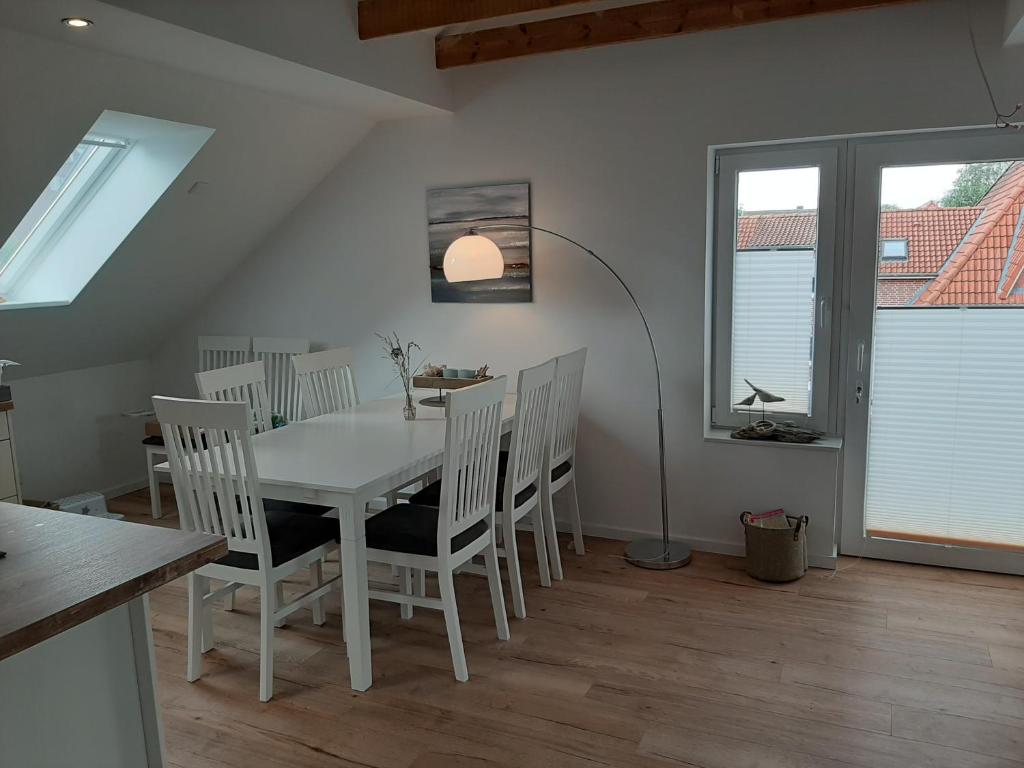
(378, 18)
(633, 22)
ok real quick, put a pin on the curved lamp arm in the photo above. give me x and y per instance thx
(640, 552)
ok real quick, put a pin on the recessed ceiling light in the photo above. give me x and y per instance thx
(76, 21)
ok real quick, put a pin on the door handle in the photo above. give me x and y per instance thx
(860, 357)
(823, 311)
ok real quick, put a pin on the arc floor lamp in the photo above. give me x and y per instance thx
(476, 257)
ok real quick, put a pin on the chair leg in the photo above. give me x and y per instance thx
(405, 588)
(154, 490)
(195, 627)
(547, 505)
(446, 581)
(316, 578)
(229, 601)
(577, 523)
(268, 599)
(205, 587)
(515, 574)
(279, 602)
(540, 544)
(494, 582)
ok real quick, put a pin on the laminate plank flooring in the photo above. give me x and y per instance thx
(879, 665)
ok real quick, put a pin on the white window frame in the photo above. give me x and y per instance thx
(728, 164)
(49, 227)
(868, 156)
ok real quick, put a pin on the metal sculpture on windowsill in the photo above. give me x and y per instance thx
(764, 429)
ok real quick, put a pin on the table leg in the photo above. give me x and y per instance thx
(354, 586)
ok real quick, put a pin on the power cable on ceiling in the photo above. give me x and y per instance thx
(1002, 119)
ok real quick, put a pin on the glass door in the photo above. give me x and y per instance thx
(935, 418)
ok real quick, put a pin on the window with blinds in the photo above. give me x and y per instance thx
(774, 253)
(773, 327)
(944, 450)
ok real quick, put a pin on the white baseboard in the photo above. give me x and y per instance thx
(127, 487)
(735, 549)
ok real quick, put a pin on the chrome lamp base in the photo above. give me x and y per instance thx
(652, 553)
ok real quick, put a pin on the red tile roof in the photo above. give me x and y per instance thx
(970, 255)
(931, 235)
(783, 229)
(974, 273)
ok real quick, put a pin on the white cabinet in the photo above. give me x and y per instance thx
(10, 489)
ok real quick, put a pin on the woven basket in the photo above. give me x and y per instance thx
(776, 554)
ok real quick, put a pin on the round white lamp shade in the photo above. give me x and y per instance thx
(473, 257)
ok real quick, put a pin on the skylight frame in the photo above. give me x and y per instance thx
(56, 218)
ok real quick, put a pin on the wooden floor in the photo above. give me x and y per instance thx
(882, 665)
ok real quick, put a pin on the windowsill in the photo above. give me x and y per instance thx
(722, 435)
(16, 304)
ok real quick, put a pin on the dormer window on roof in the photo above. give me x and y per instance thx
(894, 250)
(107, 184)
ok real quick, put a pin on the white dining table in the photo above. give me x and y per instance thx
(345, 460)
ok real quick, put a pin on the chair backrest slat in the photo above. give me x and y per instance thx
(282, 383)
(568, 387)
(246, 383)
(222, 351)
(470, 475)
(530, 429)
(327, 381)
(209, 449)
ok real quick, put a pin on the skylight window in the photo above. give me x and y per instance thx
(894, 250)
(107, 184)
(64, 197)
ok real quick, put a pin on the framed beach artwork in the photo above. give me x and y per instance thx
(452, 211)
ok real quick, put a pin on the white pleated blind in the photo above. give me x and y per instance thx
(773, 326)
(946, 444)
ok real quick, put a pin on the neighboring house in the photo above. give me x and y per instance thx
(928, 256)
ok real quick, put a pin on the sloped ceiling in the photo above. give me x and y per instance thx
(280, 128)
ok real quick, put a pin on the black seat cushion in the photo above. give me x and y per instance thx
(560, 471)
(297, 507)
(290, 535)
(158, 440)
(431, 495)
(412, 528)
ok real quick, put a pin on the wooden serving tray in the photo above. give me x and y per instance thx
(439, 382)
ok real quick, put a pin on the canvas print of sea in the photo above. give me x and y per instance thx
(451, 212)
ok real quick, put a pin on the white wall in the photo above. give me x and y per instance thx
(70, 435)
(615, 144)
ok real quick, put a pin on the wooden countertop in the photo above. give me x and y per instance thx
(63, 569)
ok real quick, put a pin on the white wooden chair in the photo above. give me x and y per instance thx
(442, 538)
(156, 453)
(245, 383)
(214, 352)
(222, 351)
(282, 384)
(519, 468)
(327, 381)
(210, 451)
(560, 457)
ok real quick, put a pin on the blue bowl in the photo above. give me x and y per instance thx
(466, 373)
